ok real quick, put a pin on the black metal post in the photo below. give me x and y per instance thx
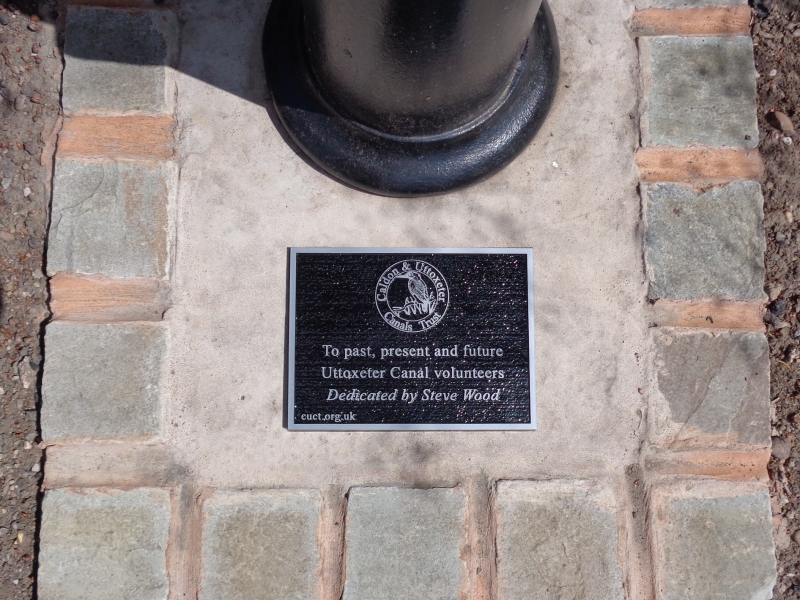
(411, 97)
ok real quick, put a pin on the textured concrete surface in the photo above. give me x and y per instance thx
(404, 544)
(245, 197)
(260, 545)
(713, 541)
(557, 539)
(116, 60)
(713, 388)
(111, 218)
(692, 252)
(699, 90)
(102, 381)
(104, 545)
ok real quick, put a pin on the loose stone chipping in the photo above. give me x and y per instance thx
(260, 544)
(690, 3)
(699, 90)
(102, 381)
(104, 545)
(708, 244)
(111, 218)
(713, 389)
(713, 541)
(116, 60)
(404, 544)
(557, 539)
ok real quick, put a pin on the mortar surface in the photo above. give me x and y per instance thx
(245, 197)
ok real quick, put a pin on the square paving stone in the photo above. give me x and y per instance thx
(115, 60)
(700, 90)
(111, 218)
(713, 388)
(261, 545)
(404, 544)
(713, 541)
(705, 244)
(557, 539)
(102, 381)
(104, 545)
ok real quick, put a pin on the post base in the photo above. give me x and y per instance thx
(406, 166)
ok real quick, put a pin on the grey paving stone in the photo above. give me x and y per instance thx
(714, 542)
(260, 545)
(701, 91)
(713, 388)
(116, 60)
(110, 218)
(102, 381)
(104, 545)
(705, 245)
(557, 539)
(404, 544)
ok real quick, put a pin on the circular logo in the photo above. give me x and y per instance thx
(412, 296)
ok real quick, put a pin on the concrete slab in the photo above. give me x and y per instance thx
(245, 197)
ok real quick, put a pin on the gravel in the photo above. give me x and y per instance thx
(25, 165)
(775, 26)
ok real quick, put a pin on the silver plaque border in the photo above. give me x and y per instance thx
(291, 426)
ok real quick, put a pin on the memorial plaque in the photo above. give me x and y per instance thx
(403, 339)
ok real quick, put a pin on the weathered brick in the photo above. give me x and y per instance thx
(699, 90)
(404, 544)
(260, 545)
(99, 545)
(111, 218)
(102, 381)
(704, 244)
(713, 389)
(557, 539)
(115, 60)
(713, 541)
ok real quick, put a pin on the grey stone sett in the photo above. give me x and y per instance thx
(713, 386)
(713, 546)
(557, 540)
(110, 218)
(104, 545)
(102, 381)
(260, 545)
(404, 544)
(704, 245)
(701, 91)
(115, 60)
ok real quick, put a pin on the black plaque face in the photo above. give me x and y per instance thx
(403, 339)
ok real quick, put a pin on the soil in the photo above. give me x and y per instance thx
(776, 34)
(30, 82)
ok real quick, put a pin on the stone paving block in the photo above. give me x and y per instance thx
(104, 545)
(699, 90)
(111, 218)
(404, 544)
(713, 541)
(261, 545)
(102, 381)
(115, 60)
(713, 388)
(704, 244)
(557, 539)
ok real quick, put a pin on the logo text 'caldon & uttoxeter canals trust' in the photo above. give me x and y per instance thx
(412, 296)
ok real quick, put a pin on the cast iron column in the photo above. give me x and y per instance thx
(411, 97)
